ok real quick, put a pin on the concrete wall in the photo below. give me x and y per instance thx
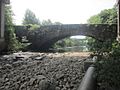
(2, 23)
(2, 44)
(2, 8)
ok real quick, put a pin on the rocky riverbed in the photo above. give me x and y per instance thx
(41, 71)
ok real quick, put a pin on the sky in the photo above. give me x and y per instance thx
(64, 11)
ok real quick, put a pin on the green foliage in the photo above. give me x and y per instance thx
(64, 43)
(69, 42)
(57, 23)
(108, 67)
(10, 37)
(49, 22)
(30, 18)
(108, 16)
(33, 26)
(108, 64)
(95, 19)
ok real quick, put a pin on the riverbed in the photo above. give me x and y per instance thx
(42, 71)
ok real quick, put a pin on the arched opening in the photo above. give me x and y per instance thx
(77, 43)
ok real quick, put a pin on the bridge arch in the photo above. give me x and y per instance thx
(46, 36)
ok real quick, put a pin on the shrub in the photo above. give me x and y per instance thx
(108, 67)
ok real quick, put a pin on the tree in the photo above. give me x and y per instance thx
(47, 22)
(57, 23)
(107, 16)
(30, 18)
(108, 62)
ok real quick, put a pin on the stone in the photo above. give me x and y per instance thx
(57, 88)
(50, 74)
(94, 58)
(20, 57)
(18, 63)
(8, 66)
(60, 76)
(43, 84)
(23, 86)
(32, 81)
(6, 79)
(17, 86)
(39, 58)
(40, 77)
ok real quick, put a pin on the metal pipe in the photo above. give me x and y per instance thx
(89, 80)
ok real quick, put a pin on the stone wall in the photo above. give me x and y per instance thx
(46, 36)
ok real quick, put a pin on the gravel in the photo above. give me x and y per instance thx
(40, 71)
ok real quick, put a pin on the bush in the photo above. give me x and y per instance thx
(33, 26)
(108, 67)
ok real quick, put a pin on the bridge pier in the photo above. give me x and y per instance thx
(2, 25)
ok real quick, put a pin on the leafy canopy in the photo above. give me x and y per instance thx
(30, 18)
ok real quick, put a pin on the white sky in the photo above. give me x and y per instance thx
(64, 11)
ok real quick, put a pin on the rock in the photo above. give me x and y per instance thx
(17, 78)
(46, 85)
(56, 73)
(40, 77)
(21, 56)
(59, 76)
(6, 79)
(18, 63)
(32, 81)
(57, 88)
(39, 58)
(94, 58)
(23, 86)
(7, 66)
(17, 86)
(0, 67)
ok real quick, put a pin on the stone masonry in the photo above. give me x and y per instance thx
(46, 36)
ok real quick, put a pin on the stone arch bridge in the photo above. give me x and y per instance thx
(46, 36)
